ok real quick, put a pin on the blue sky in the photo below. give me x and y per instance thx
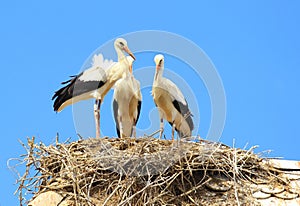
(254, 45)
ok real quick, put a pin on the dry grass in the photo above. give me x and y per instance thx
(143, 171)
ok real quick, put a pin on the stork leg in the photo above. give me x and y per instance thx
(134, 131)
(161, 127)
(97, 106)
(173, 131)
(121, 127)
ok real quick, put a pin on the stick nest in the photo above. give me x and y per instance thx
(143, 171)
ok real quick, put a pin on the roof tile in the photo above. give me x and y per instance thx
(284, 164)
(286, 193)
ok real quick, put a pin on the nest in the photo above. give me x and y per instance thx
(143, 171)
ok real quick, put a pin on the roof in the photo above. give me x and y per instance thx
(288, 193)
(279, 194)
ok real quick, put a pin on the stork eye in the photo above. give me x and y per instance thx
(122, 44)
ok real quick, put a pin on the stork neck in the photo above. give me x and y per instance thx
(120, 54)
(126, 73)
(158, 74)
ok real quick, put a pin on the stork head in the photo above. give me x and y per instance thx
(121, 44)
(130, 62)
(159, 61)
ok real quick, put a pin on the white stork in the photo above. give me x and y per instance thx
(171, 103)
(127, 103)
(94, 82)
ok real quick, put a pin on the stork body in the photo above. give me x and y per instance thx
(171, 103)
(127, 103)
(94, 82)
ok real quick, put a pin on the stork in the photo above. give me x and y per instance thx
(171, 103)
(94, 82)
(127, 103)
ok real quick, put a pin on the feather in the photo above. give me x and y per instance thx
(99, 61)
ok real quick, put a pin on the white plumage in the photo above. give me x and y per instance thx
(170, 102)
(127, 103)
(94, 82)
(98, 70)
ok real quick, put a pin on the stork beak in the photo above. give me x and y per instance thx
(158, 65)
(157, 69)
(127, 50)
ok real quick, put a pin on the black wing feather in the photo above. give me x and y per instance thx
(139, 110)
(115, 108)
(74, 87)
(185, 112)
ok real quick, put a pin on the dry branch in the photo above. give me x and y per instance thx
(143, 171)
